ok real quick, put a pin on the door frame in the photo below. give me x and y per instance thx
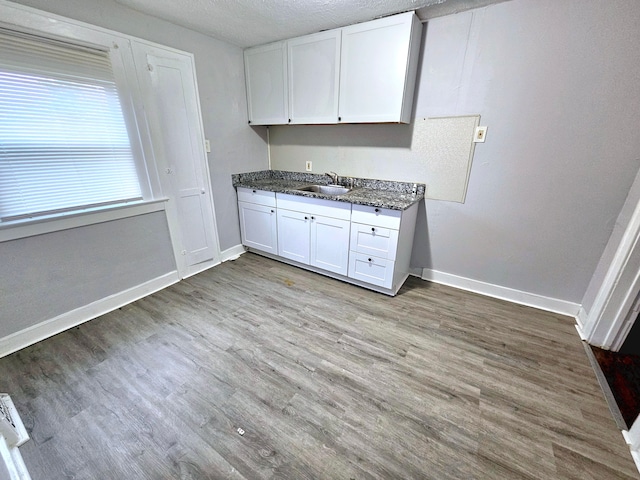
(609, 320)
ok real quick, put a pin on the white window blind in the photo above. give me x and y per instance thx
(63, 140)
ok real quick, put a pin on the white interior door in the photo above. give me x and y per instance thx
(171, 100)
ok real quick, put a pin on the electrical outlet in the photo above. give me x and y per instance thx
(480, 134)
(307, 166)
(207, 146)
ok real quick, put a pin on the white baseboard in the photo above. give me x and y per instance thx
(581, 319)
(635, 454)
(232, 253)
(48, 328)
(504, 293)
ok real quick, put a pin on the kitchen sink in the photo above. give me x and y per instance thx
(326, 189)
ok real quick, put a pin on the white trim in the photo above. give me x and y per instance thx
(11, 458)
(619, 289)
(632, 437)
(581, 318)
(48, 328)
(504, 293)
(232, 253)
(78, 219)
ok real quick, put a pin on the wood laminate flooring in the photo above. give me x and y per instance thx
(327, 381)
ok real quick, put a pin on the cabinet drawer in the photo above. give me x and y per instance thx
(370, 269)
(379, 217)
(370, 240)
(314, 206)
(259, 197)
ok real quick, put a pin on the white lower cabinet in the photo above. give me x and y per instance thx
(380, 245)
(370, 269)
(294, 235)
(315, 232)
(373, 240)
(368, 246)
(258, 220)
(330, 244)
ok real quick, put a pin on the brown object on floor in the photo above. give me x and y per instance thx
(622, 372)
(327, 380)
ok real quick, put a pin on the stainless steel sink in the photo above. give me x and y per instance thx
(326, 189)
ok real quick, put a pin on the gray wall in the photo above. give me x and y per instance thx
(48, 275)
(557, 84)
(235, 147)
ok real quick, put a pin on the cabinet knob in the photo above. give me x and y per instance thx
(313, 218)
(249, 122)
(373, 229)
(253, 191)
(377, 210)
(289, 120)
(272, 211)
(306, 218)
(339, 119)
(369, 259)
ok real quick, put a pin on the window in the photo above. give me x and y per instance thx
(64, 145)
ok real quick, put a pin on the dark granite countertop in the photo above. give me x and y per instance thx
(375, 193)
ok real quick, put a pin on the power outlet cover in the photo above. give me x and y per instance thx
(480, 134)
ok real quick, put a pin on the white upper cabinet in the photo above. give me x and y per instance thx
(378, 69)
(364, 73)
(314, 69)
(266, 76)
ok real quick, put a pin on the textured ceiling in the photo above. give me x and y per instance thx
(254, 22)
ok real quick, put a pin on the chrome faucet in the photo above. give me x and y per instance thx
(333, 176)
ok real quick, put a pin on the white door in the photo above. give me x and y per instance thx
(330, 244)
(171, 100)
(314, 69)
(293, 235)
(265, 70)
(258, 227)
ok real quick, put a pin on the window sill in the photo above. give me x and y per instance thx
(38, 226)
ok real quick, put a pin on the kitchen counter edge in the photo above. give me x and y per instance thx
(372, 197)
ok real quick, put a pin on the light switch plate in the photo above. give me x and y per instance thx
(308, 166)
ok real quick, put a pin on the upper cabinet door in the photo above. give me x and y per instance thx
(266, 78)
(314, 69)
(378, 69)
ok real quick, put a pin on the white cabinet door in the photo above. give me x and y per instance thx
(314, 69)
(258, 227)
(171, 100)
(294, 235)
(378, 66)
(330, 244)
(265, 70)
